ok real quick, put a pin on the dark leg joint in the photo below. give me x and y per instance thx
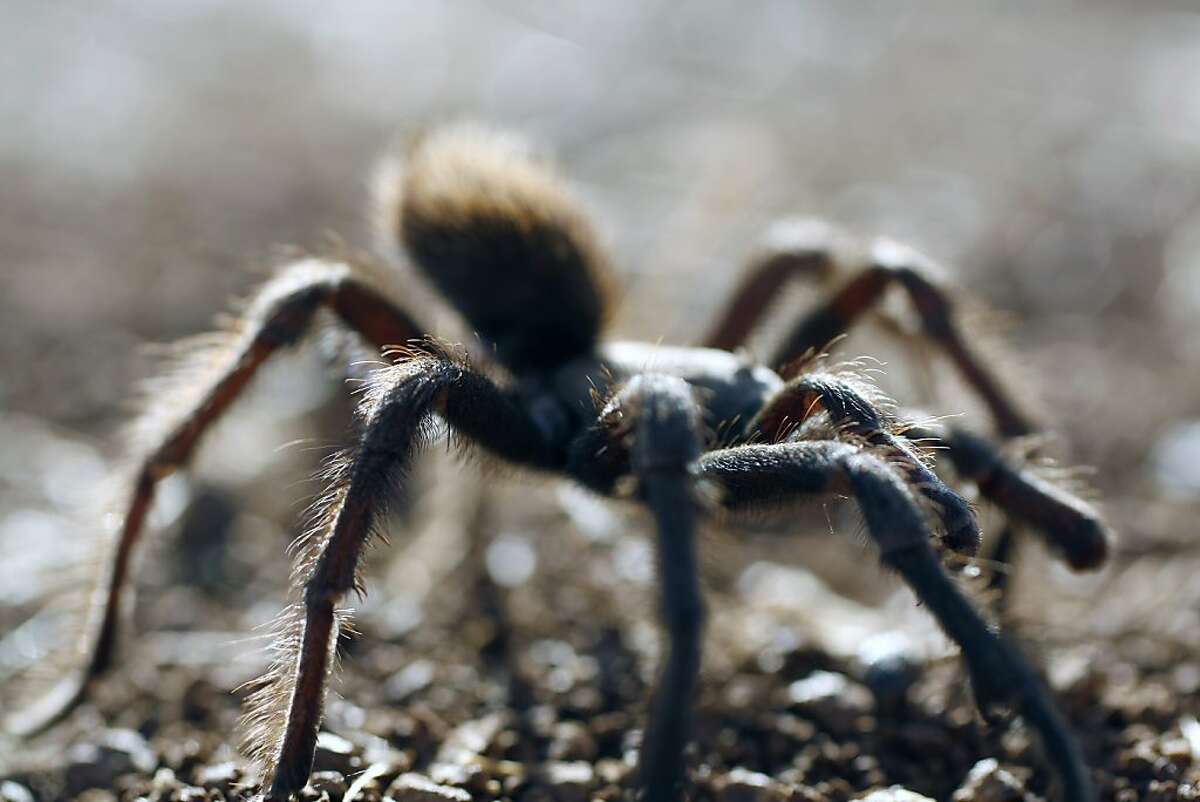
(284, 325)
(376, 319)
(850, 409)
(931, 302)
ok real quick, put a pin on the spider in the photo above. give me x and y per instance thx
(683, 430)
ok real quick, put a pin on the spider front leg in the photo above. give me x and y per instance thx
(651, 429)
(1067, 524)
(285, 711)
(183, 408)
(754, 475)
(853, 414)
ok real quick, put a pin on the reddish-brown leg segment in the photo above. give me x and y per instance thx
(932, 303)
(792, 249)
(276, 317)
(889, 263)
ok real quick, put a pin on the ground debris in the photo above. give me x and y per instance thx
(742, 785)
(895, 793)
(988, 782)
(560, 717)
(97, 764)
(413, 787)
(14, 792)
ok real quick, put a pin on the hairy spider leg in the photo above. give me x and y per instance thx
(754, 475)
(1066, 523)
(276, 317)
(853, 414)
(791, 250)
(285, 710)
(890, 263)
(651, 429)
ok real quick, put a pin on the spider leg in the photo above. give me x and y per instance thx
(1001, 557)
(815, 249)
(754, 475)
(895, 264)
(889, 263)
(276, 317)
(791, 249)
(651, 429)
(1066, 523)
(286, 709)
(852, 413)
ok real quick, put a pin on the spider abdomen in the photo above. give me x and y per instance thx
(498, 235)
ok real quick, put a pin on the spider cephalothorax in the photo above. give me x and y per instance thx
(504, 241)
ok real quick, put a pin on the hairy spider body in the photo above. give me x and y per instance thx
(730, 388)
(680, 428)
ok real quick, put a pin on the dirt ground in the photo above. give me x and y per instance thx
(159, 158)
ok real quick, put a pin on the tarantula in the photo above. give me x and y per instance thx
(497, 233)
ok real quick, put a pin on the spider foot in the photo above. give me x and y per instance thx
(962, 533)
(996, 715)
(1005, 686)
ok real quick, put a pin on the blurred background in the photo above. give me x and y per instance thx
(156, 158)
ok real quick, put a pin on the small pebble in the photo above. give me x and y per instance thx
(14, 792)
(369, 784)
(332, 783)
(988, 782)
(742, 785)
(1191, 733)
(1162, 791)
(1138, 762)
(335, 753)
(1178, 751)
(570, 781)
(97, 795)
(221, 776)
(890, 679)
(414, 677)
(612, 771)
(116, 752)
(572, 741)
(413, 787)
(896, 793)
(190, 793)
(468, 774)
(833, 699)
